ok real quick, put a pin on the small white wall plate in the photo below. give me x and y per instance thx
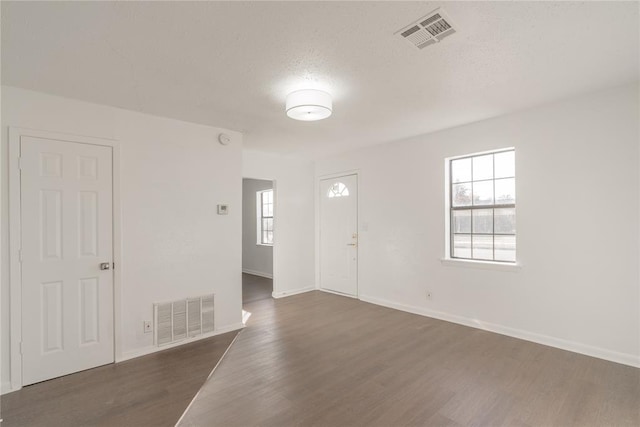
(223, 209)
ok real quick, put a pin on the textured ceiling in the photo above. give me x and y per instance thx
(231, 64)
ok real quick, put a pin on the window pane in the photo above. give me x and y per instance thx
(483, 217)
(482, 247)
(505, 248)
(462, 246)
(505, 191)
(337, 189)
(505, 166)
(269, 237)
(483, 193)
(504, 221)
(462, 221)
(483, 167)
(461, 194)
(461, 170)
(264, 237)
(483, 221)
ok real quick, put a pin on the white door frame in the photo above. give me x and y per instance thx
(319, 178)
(15, 276)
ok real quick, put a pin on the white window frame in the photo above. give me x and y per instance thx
(260, 217)
(448, 259)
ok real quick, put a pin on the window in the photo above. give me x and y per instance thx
(482, 207)
(264, 203)
(338, 190)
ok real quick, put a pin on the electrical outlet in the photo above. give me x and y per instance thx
(147, 326)
(428, 294)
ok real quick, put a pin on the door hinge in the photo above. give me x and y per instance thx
(113, 266)
(20, 163)
(20, 255)
(20, 347)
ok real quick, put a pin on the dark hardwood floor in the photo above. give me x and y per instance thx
(152, 390)
(255, 288)
(318, 359)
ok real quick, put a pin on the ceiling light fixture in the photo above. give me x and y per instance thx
(309, 105)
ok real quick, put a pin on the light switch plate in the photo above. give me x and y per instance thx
(223, 209)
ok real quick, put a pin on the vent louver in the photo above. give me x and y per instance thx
(428, 30)
(177, 320)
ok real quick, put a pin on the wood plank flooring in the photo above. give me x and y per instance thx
(152, 390)
(318, 359)
(255, 288)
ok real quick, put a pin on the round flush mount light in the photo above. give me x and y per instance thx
(224, 139)
(309, 105)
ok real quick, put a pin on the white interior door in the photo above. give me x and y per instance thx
(66, 221)
(339, 234)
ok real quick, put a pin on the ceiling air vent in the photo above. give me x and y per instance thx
(428, 30)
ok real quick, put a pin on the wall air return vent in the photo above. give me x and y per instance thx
(178, 320)
(428, 30)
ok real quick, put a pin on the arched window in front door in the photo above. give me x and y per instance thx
(337, 189)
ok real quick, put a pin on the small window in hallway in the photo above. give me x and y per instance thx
(338, 190)
(265, 216)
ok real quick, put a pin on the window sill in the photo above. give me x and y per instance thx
(270, 245)
(484, 265)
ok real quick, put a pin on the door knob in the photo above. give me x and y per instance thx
(105, 266)
(351, 244)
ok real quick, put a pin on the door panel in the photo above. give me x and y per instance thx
(339, 234)
(66, 221)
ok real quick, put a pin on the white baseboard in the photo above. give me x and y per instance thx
(576, 347)
(258, 273)
(153, 349)
(293, 292)
(338, 293)
(6, 387)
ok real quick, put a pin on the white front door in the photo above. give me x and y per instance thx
(66, 221)
(339, 234)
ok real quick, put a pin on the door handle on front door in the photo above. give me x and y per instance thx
(105, 266)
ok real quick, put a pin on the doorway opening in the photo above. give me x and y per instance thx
(258, 234)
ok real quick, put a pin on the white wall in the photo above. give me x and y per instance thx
(173, 174)
(577, 223)
(256, 259)
(294, 216)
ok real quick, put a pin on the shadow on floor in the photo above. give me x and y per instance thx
(152, 390)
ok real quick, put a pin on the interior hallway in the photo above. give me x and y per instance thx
(324, 360)
(255, 288)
